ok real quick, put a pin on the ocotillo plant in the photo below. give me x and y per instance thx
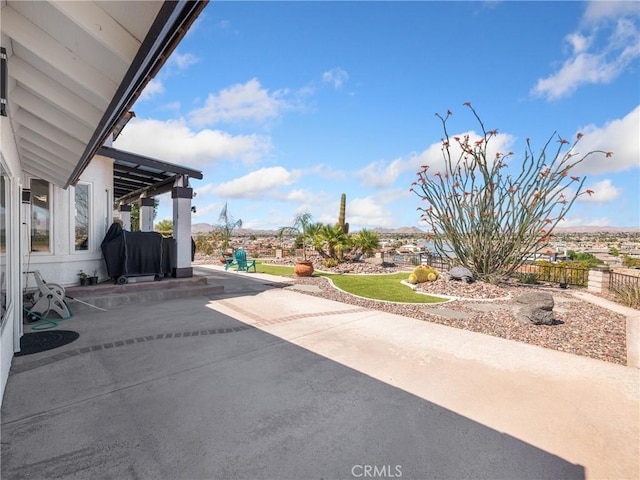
(489, 220)
(341, 217)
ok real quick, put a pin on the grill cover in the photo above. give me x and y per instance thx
(137, 253)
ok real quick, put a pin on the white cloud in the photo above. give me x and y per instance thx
(582, 222)
(241, 102)
(327, 172)
(380, 174)
(368, 212)
(598, 10)
(619, 136)
(257, 184)
(173, 141)
(336, 77)
(182, 61)
(596, 60)
(604, 191)
(153, 88)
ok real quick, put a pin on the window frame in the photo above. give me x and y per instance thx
(72, 220)
(50, 210)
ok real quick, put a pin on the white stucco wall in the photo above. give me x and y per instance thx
(11, 329)
(63, 263)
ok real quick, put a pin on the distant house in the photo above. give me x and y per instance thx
(70, 73)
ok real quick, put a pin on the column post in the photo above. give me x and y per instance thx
(125, 216)
(182, 230)
(599, 279)
(146, 214)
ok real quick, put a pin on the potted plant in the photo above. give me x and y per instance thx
(301, 224)
(83, 278)
(93, 279)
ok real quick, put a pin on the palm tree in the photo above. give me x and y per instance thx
(366, 241)
(226, 225)
(301, 224)
(334, 238)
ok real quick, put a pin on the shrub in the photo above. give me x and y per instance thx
(529, 278)
(630, 262)
(331, 262)
(627, 295)
(485, 208)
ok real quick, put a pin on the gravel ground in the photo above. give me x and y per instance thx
(580, 327)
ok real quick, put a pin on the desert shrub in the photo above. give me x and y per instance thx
(627, 295)
(331, 262)
(630, 262)
(530, 278)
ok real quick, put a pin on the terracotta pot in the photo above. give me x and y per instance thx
(303, 268)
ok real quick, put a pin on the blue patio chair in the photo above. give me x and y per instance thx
(242, 262)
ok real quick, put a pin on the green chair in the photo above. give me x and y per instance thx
(241, 261)
(228, 260)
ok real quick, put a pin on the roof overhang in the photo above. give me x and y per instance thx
(136, 175)
(76, 68)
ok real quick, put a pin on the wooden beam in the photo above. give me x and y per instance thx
(101, 26)
(50, 114)
(37, 139)
(61, 97)
(49, 50)
(47, 130)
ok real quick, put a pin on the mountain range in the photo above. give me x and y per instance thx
(245, 232)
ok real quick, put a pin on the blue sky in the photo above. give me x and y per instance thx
(286, 105)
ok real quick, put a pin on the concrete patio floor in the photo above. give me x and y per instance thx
(266, 382)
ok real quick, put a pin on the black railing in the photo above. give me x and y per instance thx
(556, 274)
(436, 261)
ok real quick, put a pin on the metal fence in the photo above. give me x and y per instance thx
(623, 280)
(436, 261)
(557, 274)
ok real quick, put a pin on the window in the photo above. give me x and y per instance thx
(40, 216)
(4, 281)
(82, 204)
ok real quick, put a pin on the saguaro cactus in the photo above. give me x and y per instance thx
(341, 217)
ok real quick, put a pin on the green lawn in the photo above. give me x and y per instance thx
(376, 287)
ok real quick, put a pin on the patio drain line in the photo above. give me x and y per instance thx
(23, 367)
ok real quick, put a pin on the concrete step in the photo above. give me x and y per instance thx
(109, 295)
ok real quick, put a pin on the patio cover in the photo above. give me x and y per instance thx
(76, 68)
(135, 174)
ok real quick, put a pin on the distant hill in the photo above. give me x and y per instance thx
(206, 227)
(596, 229)
(400, 231)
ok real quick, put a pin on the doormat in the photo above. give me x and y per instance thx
(37, 342)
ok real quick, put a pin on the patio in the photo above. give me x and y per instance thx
(264, 382)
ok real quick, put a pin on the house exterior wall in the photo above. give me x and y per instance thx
(63, 263)
(11, 327)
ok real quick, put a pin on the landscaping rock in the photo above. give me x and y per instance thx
(461, 273)
(535, 308)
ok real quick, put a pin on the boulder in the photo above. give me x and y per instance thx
(461, 273)
(535, 308)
